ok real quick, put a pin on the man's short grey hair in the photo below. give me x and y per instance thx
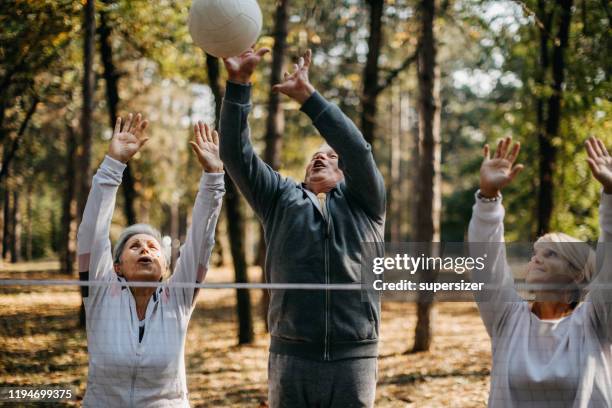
(135, 230)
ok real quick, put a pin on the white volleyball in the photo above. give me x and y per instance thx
(224, 28)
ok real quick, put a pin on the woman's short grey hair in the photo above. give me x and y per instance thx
(135, 230)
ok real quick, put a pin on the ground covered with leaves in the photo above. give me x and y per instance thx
(41, 344)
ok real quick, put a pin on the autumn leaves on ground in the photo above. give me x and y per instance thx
(42, 345)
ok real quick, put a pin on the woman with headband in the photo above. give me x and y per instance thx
(556, 351)
(136, 335)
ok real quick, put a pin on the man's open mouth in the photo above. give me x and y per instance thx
(318, 164)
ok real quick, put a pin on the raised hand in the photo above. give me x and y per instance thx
(497, 172)
(128, 139)
(206, 147)
(240, 68)
(297, 85)
(600, 163)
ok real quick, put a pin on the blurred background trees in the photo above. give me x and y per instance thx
(533, 69)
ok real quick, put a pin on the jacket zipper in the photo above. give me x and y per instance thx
(133, 384)
(138, 351)
(327, 281)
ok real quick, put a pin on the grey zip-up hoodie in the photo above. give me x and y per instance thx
(302, 245)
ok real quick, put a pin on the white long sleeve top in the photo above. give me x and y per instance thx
(543, 363)
(123, 371)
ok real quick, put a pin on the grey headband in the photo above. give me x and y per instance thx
(135, 230)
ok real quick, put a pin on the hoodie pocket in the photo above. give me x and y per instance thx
(353, 319)
(301, 316)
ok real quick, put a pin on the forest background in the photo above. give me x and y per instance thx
(427, 81)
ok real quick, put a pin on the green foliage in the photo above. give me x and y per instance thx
(509, 50)
(489, 65)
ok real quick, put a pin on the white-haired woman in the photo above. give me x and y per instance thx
(557, 350)
(136, 335)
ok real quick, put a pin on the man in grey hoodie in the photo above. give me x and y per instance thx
(324, 343)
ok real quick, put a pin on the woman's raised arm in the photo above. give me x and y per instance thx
(600, 292)
(486, 235)
(93, 241)
(192, 265)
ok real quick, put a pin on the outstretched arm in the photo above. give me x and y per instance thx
(257, 181)
(93, 241)
(363, 179)
(192, 264)
(486, 236)
(600, 295)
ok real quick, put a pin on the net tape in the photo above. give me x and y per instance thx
(239, 285)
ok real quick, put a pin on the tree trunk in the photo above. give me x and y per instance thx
(394, 198)
(428, 197)
(6, 211)
(28, 244)
(84, 167)
(68, 227)
(370, 75)
(16, 229)
(546, 150)
(2, 220)
(235, 223)
(111, 78)
(548, 119)
(236, 237)
(84, 158)
(275, 123)
(275, 126)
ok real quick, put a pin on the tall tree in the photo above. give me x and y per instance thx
(84, 156)
(275, 123)
(373, 84)
(371, 72)
(428, 194)
(235, 221)
(111, 79)
(394, 199)
(67, 251)
(549, 104)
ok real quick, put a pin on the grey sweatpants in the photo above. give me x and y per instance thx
(294, 382)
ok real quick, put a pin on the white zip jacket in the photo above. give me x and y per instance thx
(558, 363)
(124, 372)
